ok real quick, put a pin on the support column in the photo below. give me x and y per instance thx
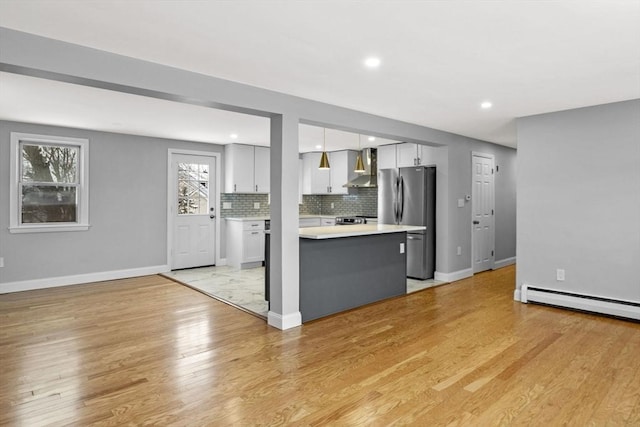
(284, 276)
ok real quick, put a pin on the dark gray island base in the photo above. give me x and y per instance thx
(342, 270)
(340, 274)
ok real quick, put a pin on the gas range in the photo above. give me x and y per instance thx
(351, 220)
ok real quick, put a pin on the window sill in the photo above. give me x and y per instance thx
(48, 228)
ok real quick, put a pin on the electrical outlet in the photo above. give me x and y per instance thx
(560, 275)
(226, 205)
(1, 261)
(459, 252)
(401, 248)
(332, 205)
(256, 205)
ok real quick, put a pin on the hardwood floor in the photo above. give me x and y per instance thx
(150, 351)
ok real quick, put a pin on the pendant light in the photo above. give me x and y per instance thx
(359, 164)
(324, 159)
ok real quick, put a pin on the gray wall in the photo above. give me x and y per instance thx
(127, 208)
(33, 55)
(579, 200)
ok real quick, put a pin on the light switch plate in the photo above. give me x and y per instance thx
(461, 203)
(1, 261)
(256, 205)
(560, 275)
(226, 205)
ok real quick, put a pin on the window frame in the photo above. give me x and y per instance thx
(15, 194)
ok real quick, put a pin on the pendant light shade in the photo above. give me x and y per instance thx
(359, 164)
(324, 159)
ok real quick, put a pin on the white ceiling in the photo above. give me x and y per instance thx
(440, 60)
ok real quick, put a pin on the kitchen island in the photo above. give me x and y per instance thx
(343, 267)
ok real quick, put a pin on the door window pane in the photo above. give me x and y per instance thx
(193, 189)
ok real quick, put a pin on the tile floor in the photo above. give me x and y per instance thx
(245, 288)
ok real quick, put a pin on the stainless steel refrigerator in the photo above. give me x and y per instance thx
(407, 196)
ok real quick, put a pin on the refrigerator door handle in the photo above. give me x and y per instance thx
(401, 198)
(395, 200)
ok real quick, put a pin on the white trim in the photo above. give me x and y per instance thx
(287, 321)
(504, 262)
(580, 302)
(493, 207)
(217, 158)
(54, 282)
(516, 295)
(47, 229)
(452, 277)
(82, 193)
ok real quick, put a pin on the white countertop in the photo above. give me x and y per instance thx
(247, 218)
(263, 218)
(338, 231)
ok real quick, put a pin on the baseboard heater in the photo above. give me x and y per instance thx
(612, 307)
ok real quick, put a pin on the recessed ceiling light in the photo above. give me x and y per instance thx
(486, 105)
(372, 62)
(318, 147)
(233, 136)
(372, 138)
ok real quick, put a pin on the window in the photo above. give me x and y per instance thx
(49, 183)
(193, 189)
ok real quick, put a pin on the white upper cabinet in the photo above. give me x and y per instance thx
(387, 156)
(300, 179)
(262, 169)
(400, 155)
(314, 181)
(246, 169)
(342, 165)
(408, 154)
(331, 181)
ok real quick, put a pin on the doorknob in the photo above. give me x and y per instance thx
(212, 213)
(476, 222)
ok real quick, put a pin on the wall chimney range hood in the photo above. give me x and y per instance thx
(369, 178)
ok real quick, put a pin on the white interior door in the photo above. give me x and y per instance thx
(193, 210)
(483, 213)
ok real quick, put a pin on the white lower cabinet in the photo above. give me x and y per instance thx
(309, 222)
(245, 243)
(327, 222)
(316, 221)
(252, 246)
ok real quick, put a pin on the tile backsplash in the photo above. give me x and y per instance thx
(361, 201)
(243, 205)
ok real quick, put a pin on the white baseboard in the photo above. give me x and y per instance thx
(504, 262)
(287, 321)
(53, 282)
(452, 277)
(517, 295)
